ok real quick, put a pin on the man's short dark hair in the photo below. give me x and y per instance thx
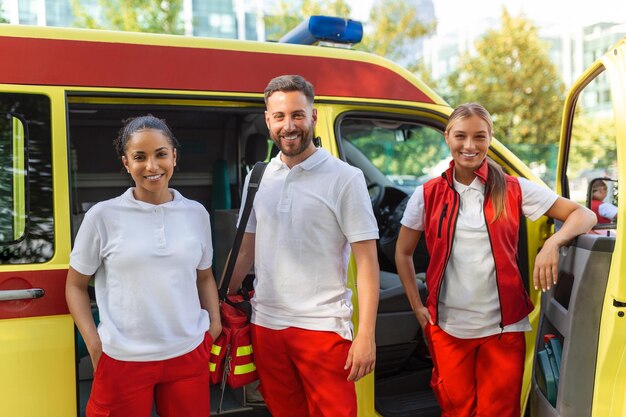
(287, 83)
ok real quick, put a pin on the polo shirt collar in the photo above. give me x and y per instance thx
(130, 198)
(316, 158)
(481, 173)
(476, 184)
(319, 156)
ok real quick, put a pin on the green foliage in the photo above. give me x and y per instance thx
(441, 85)
(288, 14)
(155, 16)
(416, 157)
(512, 75)
(392, 31)
(2, 18)
(592, 149)
(406, 153)
(593, 146)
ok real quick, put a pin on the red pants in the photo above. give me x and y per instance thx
(179, 385)
(477, 377)
(301, 372)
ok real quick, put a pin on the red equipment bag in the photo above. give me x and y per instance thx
(231, 358)
(218, 354)
(231, 354)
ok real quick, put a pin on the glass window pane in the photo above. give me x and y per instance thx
(26, 199)
(406, 154)
(593, 151)
(12, 179)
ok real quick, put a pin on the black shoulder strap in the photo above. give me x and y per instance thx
(253, 186)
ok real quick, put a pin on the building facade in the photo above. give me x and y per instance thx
(234, 19)
(596, 40)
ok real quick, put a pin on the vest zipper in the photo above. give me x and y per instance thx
(441, 218)
(449, 241)
(501, 324)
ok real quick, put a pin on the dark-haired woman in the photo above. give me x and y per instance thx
(150, 253)
(477, 307)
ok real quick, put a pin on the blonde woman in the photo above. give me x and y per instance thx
(477, 306)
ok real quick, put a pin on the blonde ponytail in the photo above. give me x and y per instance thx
(496, 182)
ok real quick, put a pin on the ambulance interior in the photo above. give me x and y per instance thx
(219, 144)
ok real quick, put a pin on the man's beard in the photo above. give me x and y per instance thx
(304, 144)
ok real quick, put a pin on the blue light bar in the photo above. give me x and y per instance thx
(325, 28)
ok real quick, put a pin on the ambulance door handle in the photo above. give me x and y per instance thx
(10, 295)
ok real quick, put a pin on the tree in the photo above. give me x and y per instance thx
(288, 14)
(592, 145)
(394, 30)
(155, 16)
(2, 18)
(512, 75)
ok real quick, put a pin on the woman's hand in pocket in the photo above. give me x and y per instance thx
(95, 353)
(423, 316)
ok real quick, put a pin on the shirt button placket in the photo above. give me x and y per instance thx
(159, 232)
(285, 195)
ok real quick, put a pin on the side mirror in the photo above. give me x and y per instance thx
(602, 195)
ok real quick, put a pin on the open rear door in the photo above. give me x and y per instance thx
(580, 355)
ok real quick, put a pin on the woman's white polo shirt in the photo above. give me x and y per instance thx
(145, 259)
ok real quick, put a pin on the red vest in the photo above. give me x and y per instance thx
(441, 205)
(595, 207)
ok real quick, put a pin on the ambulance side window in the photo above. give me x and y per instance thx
(593, 151)
(26, 210)
(400, 154)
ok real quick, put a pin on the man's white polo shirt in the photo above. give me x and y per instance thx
(145, 259)
(304, 219)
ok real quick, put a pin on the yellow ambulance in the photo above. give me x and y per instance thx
(63, 96)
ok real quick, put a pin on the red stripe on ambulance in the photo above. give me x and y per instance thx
(52, 302)
(121, 65)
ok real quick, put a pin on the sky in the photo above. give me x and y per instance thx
(454, 13)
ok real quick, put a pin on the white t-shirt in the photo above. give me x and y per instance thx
(469, 306)
(145, 259)
(304, 219)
